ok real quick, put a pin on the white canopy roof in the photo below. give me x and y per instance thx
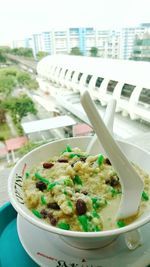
(47, 124)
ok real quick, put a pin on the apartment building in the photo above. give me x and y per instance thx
(127, 37)
(116, 44)
(141, 47)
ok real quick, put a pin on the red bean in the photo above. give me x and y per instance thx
(44, 213)
(53, 220)
(53, 206)
(81, 207)
(107, 161)
(41, 185)
(47, 165)
(63, 160)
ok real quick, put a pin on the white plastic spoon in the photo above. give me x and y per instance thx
(109, 121)
(131, 182)
(133, 239)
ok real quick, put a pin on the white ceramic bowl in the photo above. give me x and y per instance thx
(84, 240)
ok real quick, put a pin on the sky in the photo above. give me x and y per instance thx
(21, 18)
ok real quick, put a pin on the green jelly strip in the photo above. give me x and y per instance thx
(37, 213)
(27, 174)
(39, 177)
(43, 200)
(65, 192)
(68, 148)
(96, 228)
(72, 155)
(145, 196)
(83, 219)
(100, 159)
(95, 202)
(68, 182)
(63, 225)
(77, 180)
(114, 192)
(95, 214)
(51, 186)
(70, 204)
(121, 224)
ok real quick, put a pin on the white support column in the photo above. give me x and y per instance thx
(133, 101)
(117, 93)
(56, 74)
(82, 82)
(8, 157)
(67, 79)
(92, 82)
(102, 91)
(13, 156)
(61, 77)
(74, 81)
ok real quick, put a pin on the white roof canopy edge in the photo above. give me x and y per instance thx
(47, 124)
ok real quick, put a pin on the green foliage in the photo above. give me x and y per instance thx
(5, 49)
(41, 54)
(2, 114)
(29, 146)
(7, 84)
(10, 71)
(76, 51)
(94, 51)
(11, 77)
(2, 58)
(5, 132)
(32, 84)
(20, 107)
(21, 51)
(23, 78)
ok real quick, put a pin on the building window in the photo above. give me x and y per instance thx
(88, 79)
(127, 90)
(111, 86)
(79, 76)
(98, 82)
(145, 96)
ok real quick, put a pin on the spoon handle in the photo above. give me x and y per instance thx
(117, 158)
(109, 121)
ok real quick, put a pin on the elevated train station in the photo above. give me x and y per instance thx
(125, 80)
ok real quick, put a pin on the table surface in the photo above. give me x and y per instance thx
(142, 141)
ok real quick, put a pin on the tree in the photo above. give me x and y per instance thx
(2, 58)
(94, 51)
(2, 113)
(20, 107)
(76, 51)
(21, 51)
(5, 49)
(23, 78)
(32, 84)
(7, 84)
(41, 54)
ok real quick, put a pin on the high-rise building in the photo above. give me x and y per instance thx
(141, 48)
(110, 43)
(47, 41)
(37, 43)
(127, 38)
